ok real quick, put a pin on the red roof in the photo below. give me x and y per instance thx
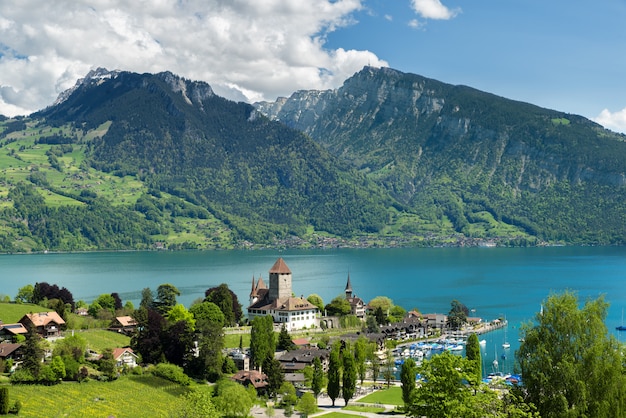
(280, 267)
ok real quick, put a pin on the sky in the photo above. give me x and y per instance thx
(563, 55)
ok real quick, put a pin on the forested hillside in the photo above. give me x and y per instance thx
(143, 161)
(459, 154)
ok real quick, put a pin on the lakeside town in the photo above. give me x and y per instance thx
(289, 354)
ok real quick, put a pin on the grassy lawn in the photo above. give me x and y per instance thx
(129, 396)
(10, 313)
(391, 396)
(336, 415)
(99, 339)
(357, 408)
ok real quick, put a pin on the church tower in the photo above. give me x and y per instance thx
(280, 281)
(348, 288)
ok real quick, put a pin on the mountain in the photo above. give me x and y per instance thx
(139, 161)
(188, 154)
(455, 153)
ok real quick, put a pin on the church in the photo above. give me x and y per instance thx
(278, 301)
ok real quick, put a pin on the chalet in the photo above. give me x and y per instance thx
(251, 377)
(357, 306)
(123, 324)
(8, 332)
(277, 300)
(10, 351)
(125, 357)
(46, 324)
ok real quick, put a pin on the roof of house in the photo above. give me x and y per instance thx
(289, 304)
(40, 319)
(14, 328)
(304, 355)
(126, 321)
(301, 341)
(280, 267)
(254, 377)
(6, 349)
(119, 352)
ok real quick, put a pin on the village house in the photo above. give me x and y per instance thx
(124, 324)
(10, 351)
(251, 377)
(8, 332)
(277, 300)
(46, 324)
(125, 357)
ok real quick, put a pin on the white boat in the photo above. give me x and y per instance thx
(482, 342)
(506, 345)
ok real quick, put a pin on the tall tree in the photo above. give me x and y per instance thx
(360, 356)
(316, 300)
(32, 353)
(571, 366)
(472, 352)
(348, 378)
(275, 375)
(25, 294)
(407, 377)
(147, 298)
(262, 342)
(374, 360)
(207, 311)
(334, 374)
(317, 383)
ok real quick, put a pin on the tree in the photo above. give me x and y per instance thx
(407, 377)
(275, 375)
(317, 383)
(371, 323)
(103, 302)
(232, 400)
(381, 318)
(284, 340)
(457, 316)
(196, 403)
(117, 301)
(227, 301)
(4, 400)
(374, 360)
(32, 353)
(262, 344)
(382, 302)
(179, 313)
(25, 294)
(334, 374)
(58, 367)
(571, 366)
(472, 352)
(348, 384)
(339, 306)
(316, 300)
(388, 374)
(166, 297)
(107, 364)
(396, 313)
(360, 356)
(307, 404)
(207, 311)
(147, 298)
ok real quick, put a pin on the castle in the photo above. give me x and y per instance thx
(278, 301)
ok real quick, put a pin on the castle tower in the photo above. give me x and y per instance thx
(280, 280)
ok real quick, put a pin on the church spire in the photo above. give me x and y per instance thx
(348, 288)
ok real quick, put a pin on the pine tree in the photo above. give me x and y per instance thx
(472, 352)
(318, 377)
(407, 377)
(334, 375)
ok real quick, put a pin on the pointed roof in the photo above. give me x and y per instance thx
(280, 267)
(348, 285)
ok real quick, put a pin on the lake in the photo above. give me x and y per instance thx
(495, 282)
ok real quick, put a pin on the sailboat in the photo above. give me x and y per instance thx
(621, 327)
(506, 344)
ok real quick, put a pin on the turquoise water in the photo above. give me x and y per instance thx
(495, 282)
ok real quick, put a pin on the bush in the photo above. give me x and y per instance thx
(16, 408)
(4, 400)
(172, 373)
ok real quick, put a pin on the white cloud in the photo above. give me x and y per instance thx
(433, 9)
(257, 49)
(614, 121)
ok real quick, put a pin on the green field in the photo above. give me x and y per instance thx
(10, 313)
(129, 396)
(391, 396)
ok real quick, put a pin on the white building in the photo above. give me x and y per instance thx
(277, 301)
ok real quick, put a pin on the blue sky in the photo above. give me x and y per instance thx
(563, 55)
